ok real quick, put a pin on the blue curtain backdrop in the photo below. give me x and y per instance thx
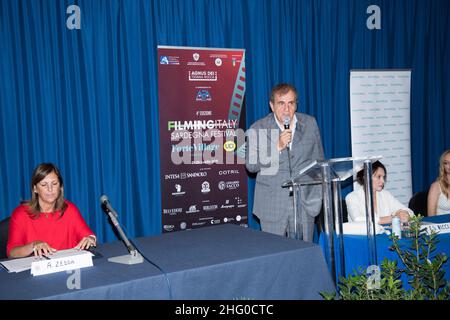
(87, 99)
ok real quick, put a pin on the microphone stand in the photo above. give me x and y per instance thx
(134, 257)
(291, 188)
(294, 196)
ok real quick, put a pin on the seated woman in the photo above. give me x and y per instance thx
(47, 222)
(439, 193)
(385, 205)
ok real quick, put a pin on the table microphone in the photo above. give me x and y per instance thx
(134, 257)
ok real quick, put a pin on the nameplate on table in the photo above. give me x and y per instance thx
(62, 261)
(438, 228)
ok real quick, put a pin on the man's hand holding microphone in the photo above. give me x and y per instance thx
(285, 136)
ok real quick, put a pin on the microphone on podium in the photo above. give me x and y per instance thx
(134, 257)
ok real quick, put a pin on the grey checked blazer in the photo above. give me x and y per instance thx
(272, 202)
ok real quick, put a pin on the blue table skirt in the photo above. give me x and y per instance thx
(356, 250)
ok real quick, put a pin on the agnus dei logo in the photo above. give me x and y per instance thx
(229, 146)
(168, 227)
(203, 95)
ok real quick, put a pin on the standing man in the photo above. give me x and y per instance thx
(292, 141)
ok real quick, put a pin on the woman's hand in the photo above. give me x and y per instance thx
(403, 215)
(86, 243)
(41, 248)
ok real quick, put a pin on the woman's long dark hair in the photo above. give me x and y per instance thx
(375, 166)
(41, 171)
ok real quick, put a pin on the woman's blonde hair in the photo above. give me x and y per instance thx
(41, 171)
(442, 179)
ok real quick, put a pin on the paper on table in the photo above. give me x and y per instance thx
(23, 264)
(360, 228)
(68, 253)
(19, 265)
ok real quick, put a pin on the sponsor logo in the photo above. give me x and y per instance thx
(239, 202)
(196, 56)
(238, 218)
(164, 60)
(192, 209)
(230, 185)
(226, 172)
(169, 227)
(201, 124)
(211, 207)
(203, 75)
(203, 113)
(169, 60)
(178, 191)
(229, 146)
(205, 187)
(203, 95)
(218, 62)
(172, 211)
(185, 175)
(227, 205)
(215, 221)
(196, 224)
(183, 225)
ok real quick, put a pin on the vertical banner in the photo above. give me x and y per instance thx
(380, 124)
(202, 122)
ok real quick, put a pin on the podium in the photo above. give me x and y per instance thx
(330, 174)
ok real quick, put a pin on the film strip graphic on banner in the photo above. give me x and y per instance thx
(236, 105)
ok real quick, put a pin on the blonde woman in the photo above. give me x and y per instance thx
(439, 194)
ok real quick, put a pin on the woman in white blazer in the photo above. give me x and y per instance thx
(385, 205)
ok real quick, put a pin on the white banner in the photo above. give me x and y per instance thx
(380, 124)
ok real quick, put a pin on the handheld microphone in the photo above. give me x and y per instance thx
(286, 122)
(106, 205)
